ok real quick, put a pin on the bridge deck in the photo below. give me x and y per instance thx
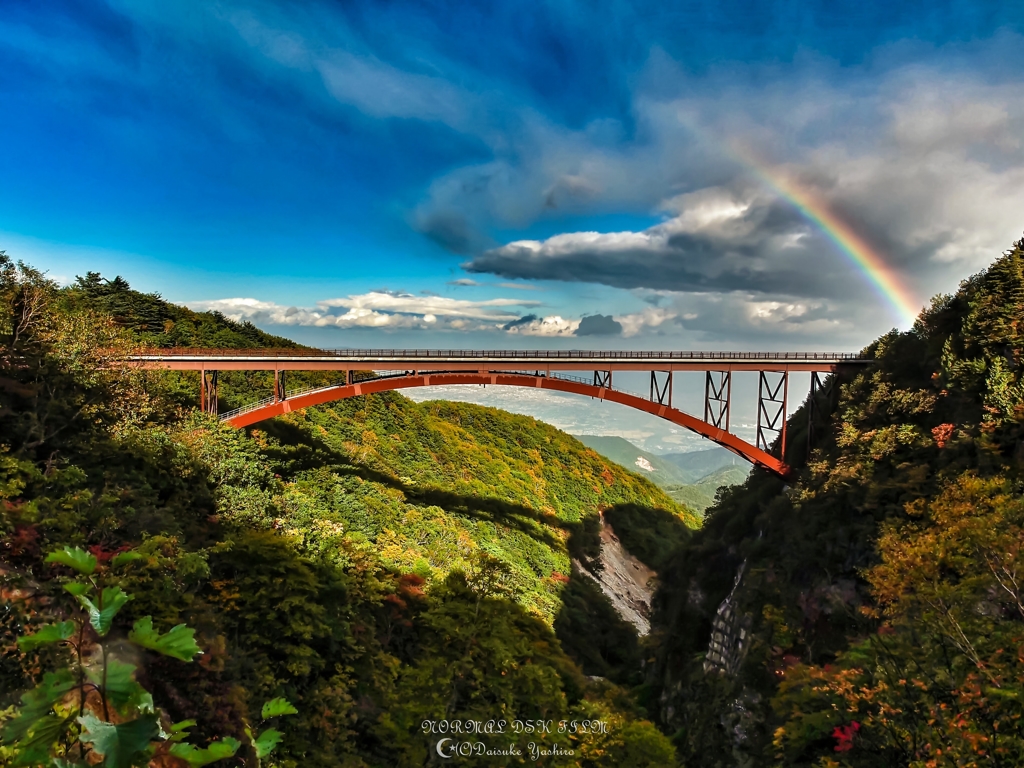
(476, 360)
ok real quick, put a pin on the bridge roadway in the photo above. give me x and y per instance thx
(401, 369)
(185, 359)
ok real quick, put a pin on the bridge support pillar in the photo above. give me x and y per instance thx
(661, 393)
(208, 391)
(771, 410)
(813, 410)
(603, 379)
(280, 390)
(717, 398)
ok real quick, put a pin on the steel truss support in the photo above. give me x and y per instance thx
(661, 393)
(208, 391)
(603, 379)
(717, 398)
(771, 410)
(813, 408)
(280, 390)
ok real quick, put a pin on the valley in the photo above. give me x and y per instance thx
(692, 479)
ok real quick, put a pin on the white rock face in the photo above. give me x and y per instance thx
(626, 581)
(644, 464)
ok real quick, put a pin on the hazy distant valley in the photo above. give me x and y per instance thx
(690, 478)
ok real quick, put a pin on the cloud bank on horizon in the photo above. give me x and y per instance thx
(632, 169)
(395, 310)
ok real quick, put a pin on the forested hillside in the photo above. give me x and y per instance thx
(701, 495)
(871, 611)
(377, 563)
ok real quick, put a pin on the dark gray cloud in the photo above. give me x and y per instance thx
(599, 325)
(724, 242)
(524, 320)
(451, 231)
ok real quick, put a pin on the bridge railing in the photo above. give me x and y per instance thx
(567, 354)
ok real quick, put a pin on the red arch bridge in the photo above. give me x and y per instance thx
(377, 370)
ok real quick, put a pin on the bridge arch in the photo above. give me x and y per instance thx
(256, 413)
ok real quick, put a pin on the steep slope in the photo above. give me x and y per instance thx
(625, 580)
(869, 613)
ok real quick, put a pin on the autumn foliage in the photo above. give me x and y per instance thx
(881, 592)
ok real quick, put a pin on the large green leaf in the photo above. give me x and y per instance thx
(179, 642)
(77, 588)
(218, 750)
(266, 742)
(277, 707)
(122, 688)
(74, 557)
(122, 745)
(179, 731)
(112, 600)
(35, 748)
(37, 703)
(51, 633)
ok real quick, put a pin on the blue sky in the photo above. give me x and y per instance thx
(353, 174)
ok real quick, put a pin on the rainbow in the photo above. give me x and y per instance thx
(852, 245)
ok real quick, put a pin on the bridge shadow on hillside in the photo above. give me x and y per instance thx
(589, 627)
(300, 451)
(649, 534)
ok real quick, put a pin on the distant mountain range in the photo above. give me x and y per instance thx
(699, 464)
(690, 478)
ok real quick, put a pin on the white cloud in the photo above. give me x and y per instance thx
(376, 309)
(487, 309)
(704, 316)
(551, 326)
(381, 90)
(321, 44)
(571, 242)
(392, 311)
(650, 317)
(709, 207)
